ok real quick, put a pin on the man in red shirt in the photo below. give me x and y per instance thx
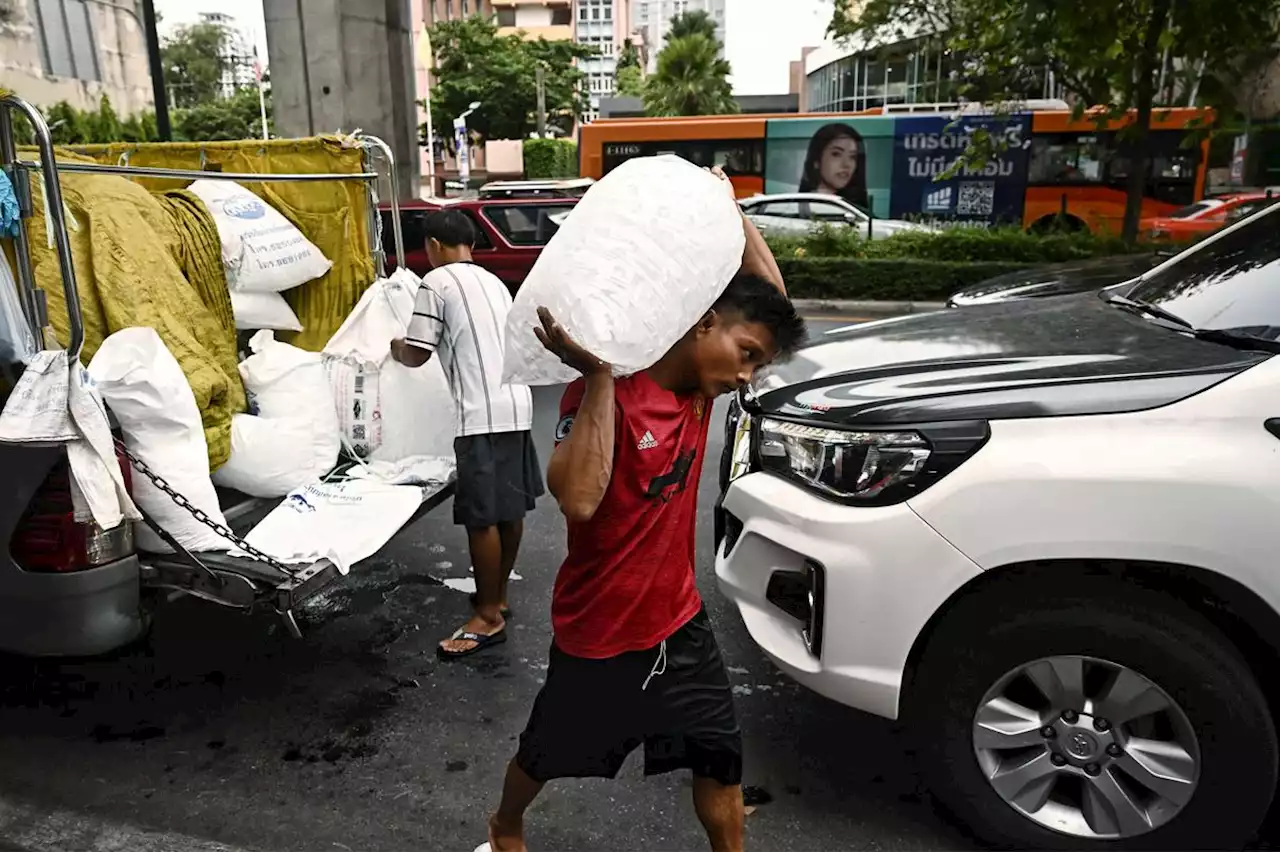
(633, 659)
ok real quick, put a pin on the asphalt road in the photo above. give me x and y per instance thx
(223, 728)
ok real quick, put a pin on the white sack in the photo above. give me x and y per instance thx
(263, 310)
(53, 402)
(644, 255)
(284, 381)
(143, 385)
(293, 438)
(261, 249)
(272, 456)
(386, 410)
(343, 522)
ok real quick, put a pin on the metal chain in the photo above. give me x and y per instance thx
(200, 515)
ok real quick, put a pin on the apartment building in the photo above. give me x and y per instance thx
(549, 19)
(605, 26)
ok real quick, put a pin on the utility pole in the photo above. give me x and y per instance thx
(157, 71)
(542, 102)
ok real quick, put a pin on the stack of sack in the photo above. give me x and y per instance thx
(643, 256)
(264, 255)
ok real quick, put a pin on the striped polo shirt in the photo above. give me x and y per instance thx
(459, 315)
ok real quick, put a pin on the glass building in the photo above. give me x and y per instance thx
(918, 71)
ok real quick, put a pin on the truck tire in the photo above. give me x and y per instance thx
(1084, 713)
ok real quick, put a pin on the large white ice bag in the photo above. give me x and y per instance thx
(641, 258)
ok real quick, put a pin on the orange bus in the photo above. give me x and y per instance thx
(1055, 168)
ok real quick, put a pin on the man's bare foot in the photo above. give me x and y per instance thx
(477, 634)
(505, 838)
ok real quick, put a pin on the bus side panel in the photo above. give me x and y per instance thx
(1100, 208)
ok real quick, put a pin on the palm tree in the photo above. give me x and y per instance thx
(691, 79)
(692, 23)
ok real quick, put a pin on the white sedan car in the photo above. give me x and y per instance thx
(799, 213)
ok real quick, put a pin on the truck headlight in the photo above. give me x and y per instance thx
(843, 464)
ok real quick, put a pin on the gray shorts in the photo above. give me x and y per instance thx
(499, 479)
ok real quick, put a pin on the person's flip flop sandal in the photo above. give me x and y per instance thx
(505, 611)
(481, 643)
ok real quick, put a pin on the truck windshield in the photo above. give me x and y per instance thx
(1232, 283)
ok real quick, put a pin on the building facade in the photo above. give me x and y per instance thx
(75, 51)
(238, 56)
(433, 11)
(534, 19)
(604, 26)
(653, 19)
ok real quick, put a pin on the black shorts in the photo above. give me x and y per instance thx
(591, 714)
(498, 479)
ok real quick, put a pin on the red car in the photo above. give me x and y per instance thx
(1204, 217)
(510, 232)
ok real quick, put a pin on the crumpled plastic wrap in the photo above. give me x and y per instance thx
(641, 258)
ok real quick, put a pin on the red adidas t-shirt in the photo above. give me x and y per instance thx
(628, 581)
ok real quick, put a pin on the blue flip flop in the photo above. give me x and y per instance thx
(481, 641)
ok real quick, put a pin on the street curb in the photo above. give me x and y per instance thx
(865, 308)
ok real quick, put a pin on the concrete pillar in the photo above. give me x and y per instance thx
(343, 65)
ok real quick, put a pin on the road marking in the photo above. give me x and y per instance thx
(830, 318)
(27, 829)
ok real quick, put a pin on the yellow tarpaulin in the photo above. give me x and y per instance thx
(146, 260)
(332, 214)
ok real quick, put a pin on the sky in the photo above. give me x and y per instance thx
(762, 39)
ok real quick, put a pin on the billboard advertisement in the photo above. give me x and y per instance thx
(849, 157)
(925, 147)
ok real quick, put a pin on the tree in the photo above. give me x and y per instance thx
(194, 63)
(224, 119)
(629, 76)
(474, 63)
(696, 22)
(629, 81)
(1109, 55)
(691, 79)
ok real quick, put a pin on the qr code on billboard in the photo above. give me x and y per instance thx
(976, 199)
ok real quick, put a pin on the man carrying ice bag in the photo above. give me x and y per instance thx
(634, 660)
(460, 313)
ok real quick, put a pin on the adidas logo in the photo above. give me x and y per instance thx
(648, 442)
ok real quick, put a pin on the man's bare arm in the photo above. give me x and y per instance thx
(408, 354)
(582, 465)
(757, 259)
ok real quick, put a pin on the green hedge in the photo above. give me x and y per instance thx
(900, 279)
(956, 245)
(546, 159)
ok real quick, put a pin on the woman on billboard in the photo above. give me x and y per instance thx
(836, 164)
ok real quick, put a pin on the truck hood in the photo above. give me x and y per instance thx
(1046, 357)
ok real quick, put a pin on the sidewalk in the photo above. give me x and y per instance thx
(867, 309)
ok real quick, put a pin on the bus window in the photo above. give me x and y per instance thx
(738, 157)
(1065, 158)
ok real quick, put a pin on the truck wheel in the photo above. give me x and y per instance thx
(1099, 717)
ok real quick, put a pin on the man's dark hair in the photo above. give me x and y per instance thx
(450, 227)
(757, 300)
